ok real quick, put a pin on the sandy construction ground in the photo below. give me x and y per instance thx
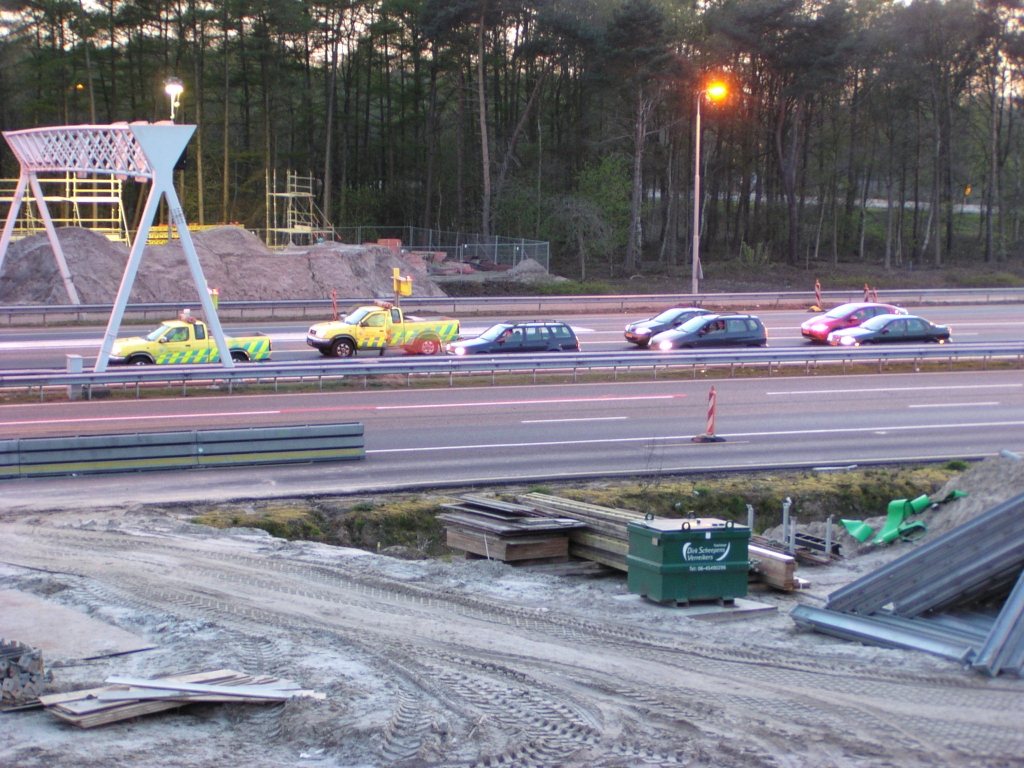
(427, 663)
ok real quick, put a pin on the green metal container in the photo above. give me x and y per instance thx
(673, 560)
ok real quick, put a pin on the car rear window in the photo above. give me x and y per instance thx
(200, 331)
(737, 326)
(560, 331)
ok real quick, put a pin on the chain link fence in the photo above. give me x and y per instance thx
(457, 246)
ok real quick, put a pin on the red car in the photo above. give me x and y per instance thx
(845, 316)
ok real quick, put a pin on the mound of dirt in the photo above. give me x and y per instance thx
(233, 259)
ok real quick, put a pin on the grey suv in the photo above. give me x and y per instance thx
(525, 336)
(714, 331)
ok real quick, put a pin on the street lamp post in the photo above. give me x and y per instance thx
(715, 91)
(173, 88)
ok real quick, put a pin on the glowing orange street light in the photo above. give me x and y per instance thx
(715, 91)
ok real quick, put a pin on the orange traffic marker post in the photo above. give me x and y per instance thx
(817, 297)
(709, 435)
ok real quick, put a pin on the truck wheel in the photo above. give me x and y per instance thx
(429, 346)
(239, 357)
(139, 360)
(343, 348)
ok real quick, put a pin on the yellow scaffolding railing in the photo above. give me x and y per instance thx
(94, 203)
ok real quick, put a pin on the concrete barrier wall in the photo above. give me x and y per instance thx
(90, 454)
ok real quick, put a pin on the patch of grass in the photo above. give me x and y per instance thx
(408, 521)
(411, 520)
(286, 521)
(815, 495)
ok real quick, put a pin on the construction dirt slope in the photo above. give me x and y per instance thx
(428, 663)
(233, 259)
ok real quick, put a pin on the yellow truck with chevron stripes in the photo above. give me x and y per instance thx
(184, 341)
(379, 326)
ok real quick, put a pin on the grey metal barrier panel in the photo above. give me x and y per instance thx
(888, 632)
(546, 361)
(8, 458)
(272, 445)
(89, 454)
(934, 572)
(1004, 646)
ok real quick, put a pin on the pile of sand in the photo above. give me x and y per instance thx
(233, 259)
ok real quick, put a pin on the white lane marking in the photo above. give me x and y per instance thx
(231, 414)
(421, 406)
(950, 405)
(688, 438)
(225, 414)
(895, 389)
(559, 421)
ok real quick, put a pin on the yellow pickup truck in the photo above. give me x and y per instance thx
(380, 326)
(186, 340)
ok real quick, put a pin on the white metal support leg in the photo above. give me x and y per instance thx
(12, 216)
(51, 233)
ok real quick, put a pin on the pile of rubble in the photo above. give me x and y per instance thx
(233, 259)
(22, 674)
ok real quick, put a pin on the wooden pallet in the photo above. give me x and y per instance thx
(510, 549)
(127, 698)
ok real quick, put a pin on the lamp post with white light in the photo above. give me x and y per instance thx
(173, 88)
(716, 92)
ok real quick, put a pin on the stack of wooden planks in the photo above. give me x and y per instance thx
(606, 540)
(127, 697)
(774, 568)
(485, 527)
(22, 676)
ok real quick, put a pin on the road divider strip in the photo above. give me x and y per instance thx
(92, 454)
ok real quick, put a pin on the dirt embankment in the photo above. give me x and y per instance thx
(233, 259)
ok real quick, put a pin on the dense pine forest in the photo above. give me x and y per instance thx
(875, 132)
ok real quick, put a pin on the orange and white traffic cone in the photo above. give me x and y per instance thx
(709, 435)
(817, 297)
(867, 293)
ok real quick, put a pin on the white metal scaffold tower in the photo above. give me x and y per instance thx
(143, 151)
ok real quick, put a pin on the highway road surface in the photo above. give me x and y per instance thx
(41, 348)
(498, 434)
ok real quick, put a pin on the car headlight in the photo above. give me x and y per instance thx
(460, 351)
(312, 332)
(665, 346)
(847, 341)
(819, 327)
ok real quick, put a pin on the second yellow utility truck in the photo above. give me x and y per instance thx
(381, 325)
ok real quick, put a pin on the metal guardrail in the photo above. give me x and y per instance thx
(319, 370)
(92, 454)
(322, 308)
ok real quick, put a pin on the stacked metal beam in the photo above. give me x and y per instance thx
(906, 603)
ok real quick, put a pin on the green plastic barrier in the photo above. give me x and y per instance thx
(899, 511)
(897, 526)
(860, 530)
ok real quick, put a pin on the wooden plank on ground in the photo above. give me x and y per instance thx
(598, 556)
(509, 549)
(775, 568)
